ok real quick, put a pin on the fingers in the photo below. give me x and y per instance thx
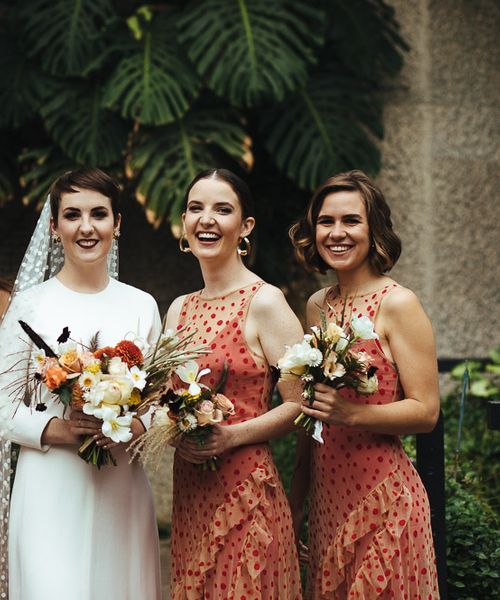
(83, 425)
(303, 550)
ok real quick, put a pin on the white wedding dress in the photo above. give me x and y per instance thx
(76, 532)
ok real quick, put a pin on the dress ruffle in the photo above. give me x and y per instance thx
(372, 515)
(247, 502)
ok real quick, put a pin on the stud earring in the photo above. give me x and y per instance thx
(55, 238)
(247, 249)
(184, 248)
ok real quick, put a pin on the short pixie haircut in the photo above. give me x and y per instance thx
(86, 178)
(239, 187)
(385, 245)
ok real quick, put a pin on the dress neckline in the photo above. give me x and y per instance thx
(71, 291)
(230, 293)
(336, 288)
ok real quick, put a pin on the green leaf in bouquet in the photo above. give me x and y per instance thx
(327, 127)
(65, 35)
(65, 395)
(252, 51)
(153, 83)
(165, 159)
(88, 133)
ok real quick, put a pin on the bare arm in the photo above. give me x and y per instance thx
(411, 340)
(272, 325)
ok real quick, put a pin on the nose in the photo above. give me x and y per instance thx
(337, 231)
(206, 219)
(86, 226)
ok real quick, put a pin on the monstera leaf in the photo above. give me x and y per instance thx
(66, 35)
(251, 51)
(166, 159)
(86, 132)
(153, 83)
(41, 166)
(21, 85)
(366, 35)
(326, 128)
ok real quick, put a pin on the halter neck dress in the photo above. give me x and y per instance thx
(369, 520)
(232, 534)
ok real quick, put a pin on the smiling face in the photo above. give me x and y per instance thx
(85, 224)
(342, 231)
(213, 221)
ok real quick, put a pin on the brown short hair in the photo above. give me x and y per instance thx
(86, 178)
(5, 284)
(385, 245)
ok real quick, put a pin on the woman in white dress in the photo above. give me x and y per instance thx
(76, 532)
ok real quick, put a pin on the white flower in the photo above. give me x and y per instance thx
(117, 367)
(101, 409)
(315, 330)
(317, 430)
(334, 333)
(299, 356)
(161, 418)
(112, 390)
(188, 423)
(362, 327)
(66, 347)
(116, 428)
(39, 358)
(188, 373)
(138, 377)
(88, 380)
(333, 369)
(368, 385)
(341, 345)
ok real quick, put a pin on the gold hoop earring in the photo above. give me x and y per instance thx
(116, 234)
(184, 248)
(56, 239)
(247, 249)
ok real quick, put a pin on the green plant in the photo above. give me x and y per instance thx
(473, 554)
(285, 92)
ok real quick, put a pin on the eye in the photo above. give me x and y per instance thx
(225, 210)
(100, 213)
(71, 215)
(194, 207)
(325, 220)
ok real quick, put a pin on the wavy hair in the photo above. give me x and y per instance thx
(385, 245)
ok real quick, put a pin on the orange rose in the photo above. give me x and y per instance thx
(54, 377)
(70, 361)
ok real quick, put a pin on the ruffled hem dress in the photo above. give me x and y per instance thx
(232, 534)
(369, 520)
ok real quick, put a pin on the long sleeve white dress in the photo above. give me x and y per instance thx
(76, 532)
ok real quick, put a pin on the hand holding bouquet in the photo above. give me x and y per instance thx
(112, 384)
(327, 356)
(182, 411)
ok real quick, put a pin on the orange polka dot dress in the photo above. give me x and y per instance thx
(369, 520)
(232, 535)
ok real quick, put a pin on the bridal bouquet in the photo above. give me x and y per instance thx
(113, 384)
(327, 356)
(182, 411)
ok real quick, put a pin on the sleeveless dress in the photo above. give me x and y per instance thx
(232, 534)
(369, 520)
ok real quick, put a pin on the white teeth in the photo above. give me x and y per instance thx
(208, 236)
(87, 243)
(339, 248)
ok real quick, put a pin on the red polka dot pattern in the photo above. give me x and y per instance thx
(369, 520)
(232, 534)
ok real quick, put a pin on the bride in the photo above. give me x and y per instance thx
(75, 532)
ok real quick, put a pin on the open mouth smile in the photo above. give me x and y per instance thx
(87, 244)
(207, 236)
(339, 248)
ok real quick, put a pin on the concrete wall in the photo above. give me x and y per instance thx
(441, 168)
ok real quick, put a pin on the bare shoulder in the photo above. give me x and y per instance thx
(174, 310)
(315, 304)
(400, 304)
(268, 299)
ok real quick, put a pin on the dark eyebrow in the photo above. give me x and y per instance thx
(350, 216)
(93, 208)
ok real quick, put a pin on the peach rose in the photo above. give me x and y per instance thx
(222, 402)
(70, 361)
(54, 377)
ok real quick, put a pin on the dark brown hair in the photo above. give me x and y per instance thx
(385, 245)
(5, 284)
(86, 178)
(239, 187)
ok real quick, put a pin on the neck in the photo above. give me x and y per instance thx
(222, 278)
(359, 281)
(88, 279)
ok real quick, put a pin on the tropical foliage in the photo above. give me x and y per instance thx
(286, 92)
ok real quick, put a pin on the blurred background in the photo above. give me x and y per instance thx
(286, 93)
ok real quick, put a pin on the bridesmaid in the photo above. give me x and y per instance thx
(369, 523)
(232, 533)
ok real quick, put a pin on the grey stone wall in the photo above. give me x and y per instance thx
(441, 168)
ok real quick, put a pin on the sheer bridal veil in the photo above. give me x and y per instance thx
(42, 260)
